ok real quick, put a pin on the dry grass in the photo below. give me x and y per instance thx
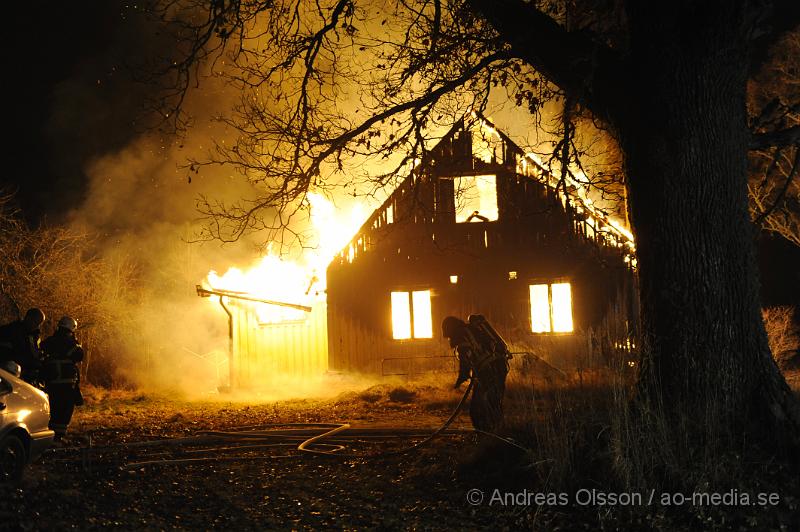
(586, 431)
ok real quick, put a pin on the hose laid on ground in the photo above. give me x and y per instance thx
(303, 447)
(314, 440)
(305, 437)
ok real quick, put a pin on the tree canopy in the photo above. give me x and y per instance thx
(322, 82)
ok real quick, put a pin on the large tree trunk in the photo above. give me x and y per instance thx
(706, 364)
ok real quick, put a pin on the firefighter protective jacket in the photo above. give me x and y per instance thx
(62, 353)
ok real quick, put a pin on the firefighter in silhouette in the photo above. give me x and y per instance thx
(483, 357)
(61, 375)
(19, 342)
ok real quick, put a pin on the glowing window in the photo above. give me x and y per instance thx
(512, 276)
(401, 316)
(551, 308)
(540, 309)
(421, 314)
(561, 299)
(475, 198)
(411, 315)
(453, 279)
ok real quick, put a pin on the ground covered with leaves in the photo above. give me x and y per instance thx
(274, 488)
(138, 461)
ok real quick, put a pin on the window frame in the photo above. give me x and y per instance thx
(411, 311)
(493, 215)
(550, 310)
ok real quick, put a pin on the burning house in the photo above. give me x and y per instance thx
(480, 227)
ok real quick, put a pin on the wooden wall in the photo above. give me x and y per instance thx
(291, 348)
(413, 243)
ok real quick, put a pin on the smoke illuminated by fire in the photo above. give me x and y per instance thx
(300, 281)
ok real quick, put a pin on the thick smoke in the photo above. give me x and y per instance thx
(133, 191)
(142, 206)
(119, 178)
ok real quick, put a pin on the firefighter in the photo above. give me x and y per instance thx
(483, 357)
(19, 342)
(61, 375)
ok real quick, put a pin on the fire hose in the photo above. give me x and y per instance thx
(305, 446)
(314, 444)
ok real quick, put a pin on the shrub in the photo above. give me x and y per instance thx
(55, 269)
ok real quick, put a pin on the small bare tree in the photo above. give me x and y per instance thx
(774, 186)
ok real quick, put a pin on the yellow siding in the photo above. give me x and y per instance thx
(290, 348)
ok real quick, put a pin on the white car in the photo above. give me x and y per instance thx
(24, 415)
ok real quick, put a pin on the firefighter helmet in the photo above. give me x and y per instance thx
(35, 317)
(68, 323)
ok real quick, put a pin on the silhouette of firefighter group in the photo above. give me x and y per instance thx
(51, 365)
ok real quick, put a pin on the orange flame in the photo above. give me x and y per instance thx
(300, 281)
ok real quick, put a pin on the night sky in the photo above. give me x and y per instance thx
(72, 100)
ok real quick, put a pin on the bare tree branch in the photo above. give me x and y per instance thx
(784, 137)
(782, 192)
